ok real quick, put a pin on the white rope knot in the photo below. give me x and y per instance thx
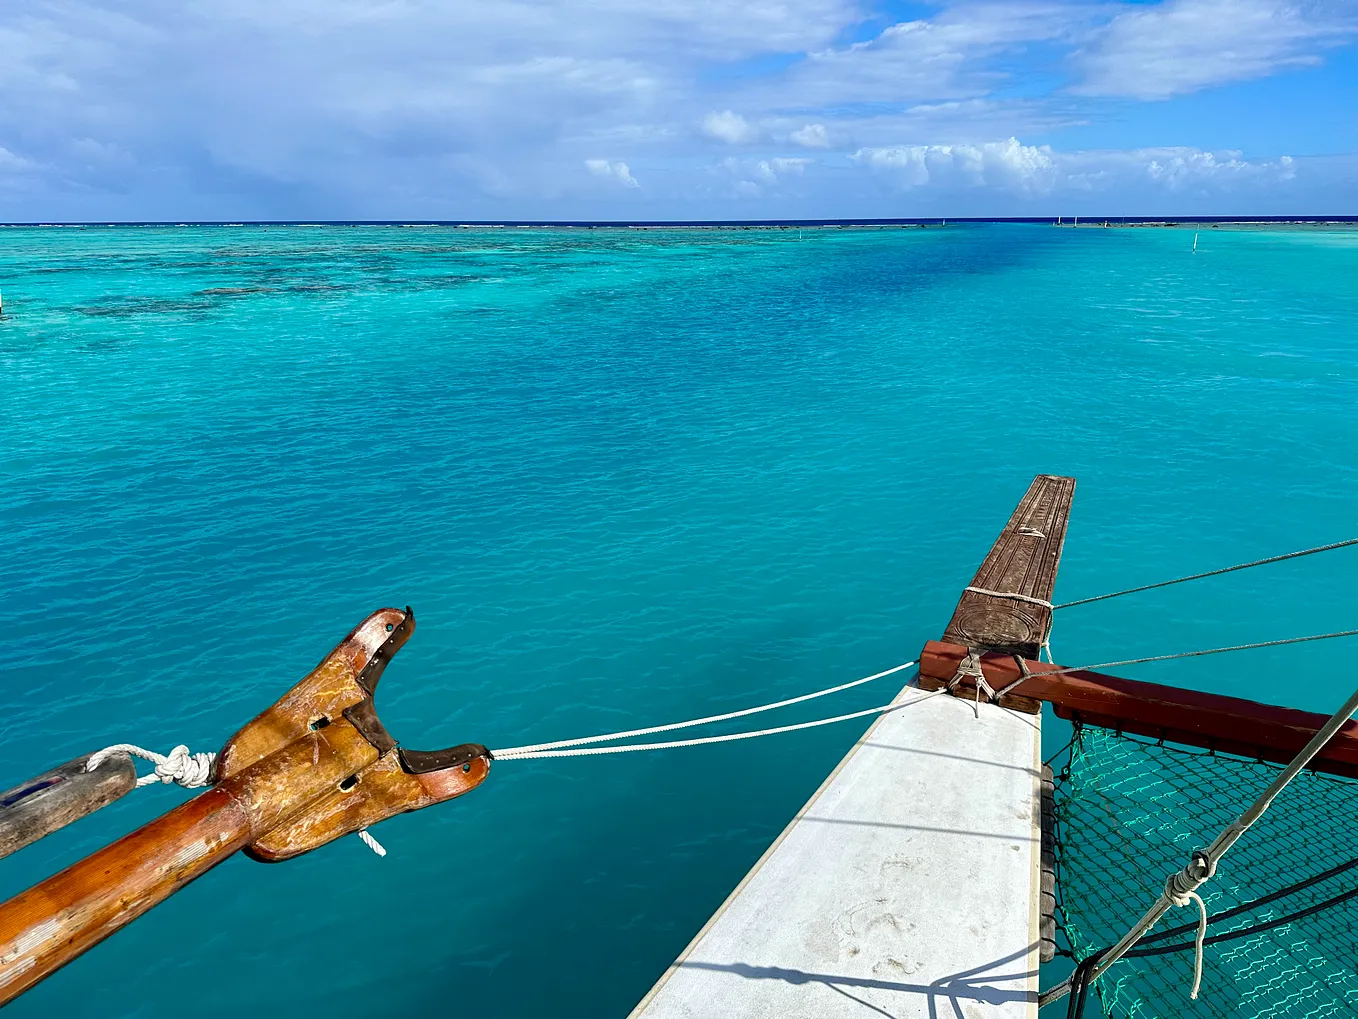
(970, 668)
(192, 771)
(180, 766)
(1181, 889)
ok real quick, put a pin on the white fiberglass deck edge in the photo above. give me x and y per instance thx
(908, 886)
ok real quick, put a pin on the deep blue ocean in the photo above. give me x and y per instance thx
(624, 478)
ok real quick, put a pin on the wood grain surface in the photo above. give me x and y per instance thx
(1023, 560)
(57, 797)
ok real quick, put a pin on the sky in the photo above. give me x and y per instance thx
(674, 109)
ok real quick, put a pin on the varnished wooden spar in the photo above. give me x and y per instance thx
(1023, 562)
(52, 923)
(1230, 725)
(316, 765)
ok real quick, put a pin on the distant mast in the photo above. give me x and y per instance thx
(1195, 241)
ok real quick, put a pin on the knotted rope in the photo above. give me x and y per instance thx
(190, 770)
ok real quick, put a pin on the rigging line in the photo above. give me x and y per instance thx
(1078, 986)
(512, 755)
(1193, 654)
(1209, 573)
(535, 747)
(1203, 865)
(558, 748)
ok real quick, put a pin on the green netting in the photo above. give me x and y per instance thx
(1129, 812)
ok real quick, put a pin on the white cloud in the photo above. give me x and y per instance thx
(730, 127)
(1179, 46)
(811, 136)
(1039, 170)
(1005, 164)
(613, 171)
(756, 178)
(925, 60)
(1183, 167)
(396, 108)
(9, 161)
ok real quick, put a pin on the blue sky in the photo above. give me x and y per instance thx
(674, 109)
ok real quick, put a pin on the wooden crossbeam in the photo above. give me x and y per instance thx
(1230, 725)
(1023, 561)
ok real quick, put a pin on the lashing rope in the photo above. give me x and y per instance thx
(179, 766)
(1009, 594)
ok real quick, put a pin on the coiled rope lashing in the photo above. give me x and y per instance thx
(180, 766)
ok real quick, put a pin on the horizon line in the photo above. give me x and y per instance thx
(677, 223)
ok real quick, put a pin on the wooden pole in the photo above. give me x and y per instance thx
(316, 765)
(52, 800)
(1023, 561)
(52, 923)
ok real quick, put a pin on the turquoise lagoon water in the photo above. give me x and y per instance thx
(624, 478)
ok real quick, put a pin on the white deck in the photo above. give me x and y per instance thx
(907, 886)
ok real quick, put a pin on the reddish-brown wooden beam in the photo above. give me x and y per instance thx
(1230, 725)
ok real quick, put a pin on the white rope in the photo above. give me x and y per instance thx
(970, 667)
(371, 842)
(1197, 943)
(192, 771)
(523, 755)
(1009, 594)
(534, 748)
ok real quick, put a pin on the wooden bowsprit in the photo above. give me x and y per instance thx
(315, 766)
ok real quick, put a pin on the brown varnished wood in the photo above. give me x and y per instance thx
(1023, 560)
(382, 790)
(47, 926)
(322, 695)
(1230, 725)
